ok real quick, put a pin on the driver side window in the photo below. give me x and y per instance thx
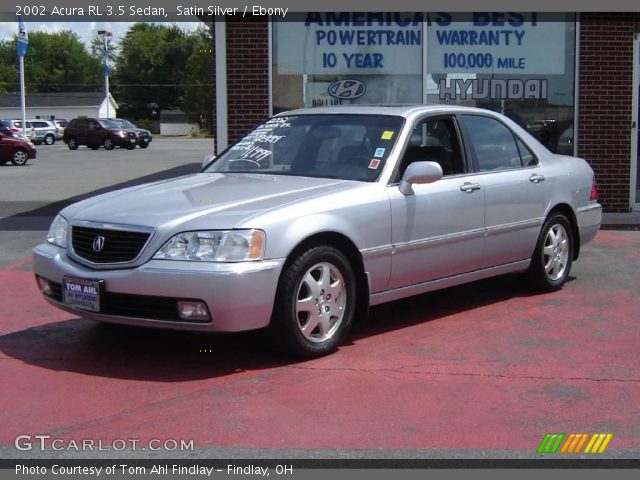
(435, 140)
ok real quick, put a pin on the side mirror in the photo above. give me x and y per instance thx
(207, 159)
(419, 172)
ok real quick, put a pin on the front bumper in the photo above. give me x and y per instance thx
(239, 296)
(125, 142)
(144, 140)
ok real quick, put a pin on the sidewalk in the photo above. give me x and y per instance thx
(627, 221)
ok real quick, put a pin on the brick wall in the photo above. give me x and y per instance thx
(248, 75)
(605, 102)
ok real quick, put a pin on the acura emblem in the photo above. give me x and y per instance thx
(98, 243)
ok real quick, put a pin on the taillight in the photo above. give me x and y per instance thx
(593, 197)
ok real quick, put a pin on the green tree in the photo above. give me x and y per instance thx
(8, 71)
(199, 93)
(55, 62)
(151, 69)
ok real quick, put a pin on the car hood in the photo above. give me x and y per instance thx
(205, 200)
(128, 130)
(17, 142)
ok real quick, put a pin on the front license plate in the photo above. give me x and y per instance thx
(81, 293)
(132, 140)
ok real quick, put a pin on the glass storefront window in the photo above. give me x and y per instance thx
(519, 64)
(348, 57)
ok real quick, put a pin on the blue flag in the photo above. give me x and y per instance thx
(106, 68)
(23, 40)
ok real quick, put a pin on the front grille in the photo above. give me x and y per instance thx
(131, 134)
(134, 306)
(119, 246)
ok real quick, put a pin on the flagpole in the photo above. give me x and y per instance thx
(106, 75)
(21, 43)
(22, 99)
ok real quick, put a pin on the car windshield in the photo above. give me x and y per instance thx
(349, 147)
(109, 124)
(124, 123)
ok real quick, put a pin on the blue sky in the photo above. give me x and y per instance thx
(85, 30)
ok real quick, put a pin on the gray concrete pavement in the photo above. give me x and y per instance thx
(31, 195)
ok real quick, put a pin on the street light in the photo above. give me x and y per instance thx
(105, 61)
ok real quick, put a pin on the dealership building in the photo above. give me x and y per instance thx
(572, 80)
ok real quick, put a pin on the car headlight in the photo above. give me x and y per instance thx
(214, 246)
(120, 133)
(57, 234)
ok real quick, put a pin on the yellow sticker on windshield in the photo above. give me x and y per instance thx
(386, 135)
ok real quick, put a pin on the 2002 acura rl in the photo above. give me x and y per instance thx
(317, 214)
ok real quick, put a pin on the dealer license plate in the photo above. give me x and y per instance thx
(81, 293)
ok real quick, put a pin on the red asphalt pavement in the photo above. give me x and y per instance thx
(485, 366)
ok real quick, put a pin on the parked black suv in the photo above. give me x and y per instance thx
(95, 133)
(144, 136)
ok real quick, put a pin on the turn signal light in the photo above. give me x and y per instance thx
(193, 311)
(44, 285)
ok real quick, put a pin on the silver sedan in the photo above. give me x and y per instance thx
(316, 215)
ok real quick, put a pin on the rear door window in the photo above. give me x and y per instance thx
(493, 143)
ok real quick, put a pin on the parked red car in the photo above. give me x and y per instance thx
(16, 150)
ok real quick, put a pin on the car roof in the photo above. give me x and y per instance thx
(394, 110)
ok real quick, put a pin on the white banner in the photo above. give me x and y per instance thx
(497, 43)
(350, 43)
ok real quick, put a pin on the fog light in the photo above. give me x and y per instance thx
(189, 310)
(45, 286)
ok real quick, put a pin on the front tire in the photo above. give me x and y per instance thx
(19, 157)
(72, 143)
(108, 144)
(553, 256)
(315, 303)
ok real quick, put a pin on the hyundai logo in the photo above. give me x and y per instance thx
(347, 89)
(98, 243)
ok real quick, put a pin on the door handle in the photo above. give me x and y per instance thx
(469, 187)
(537, 178)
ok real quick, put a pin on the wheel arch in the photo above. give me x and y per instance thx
(346, 246)
(567, 211)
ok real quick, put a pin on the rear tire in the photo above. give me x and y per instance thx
(19, 157)
(144, 145)
(553, 256)
(315, 303)
(108, 144)
(72, 143)
(49, 139)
